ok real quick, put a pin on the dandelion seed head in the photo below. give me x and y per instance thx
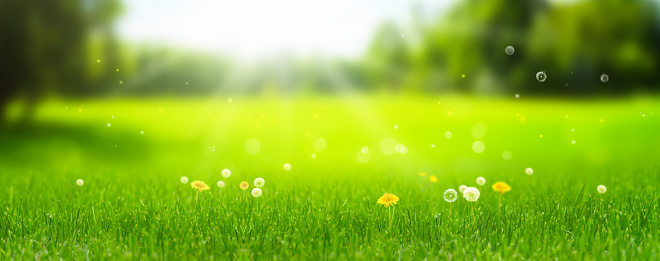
(601, 189)
(529, 171)
(221, 184)
(226, 173)
(481, 181)
(80, 182)
(450, 195)
(471, 194)
(256, 192)
(184, 180)
(259, 182)
(287, 166)
(462, 188)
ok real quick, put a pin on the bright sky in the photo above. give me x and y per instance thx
(253, 28)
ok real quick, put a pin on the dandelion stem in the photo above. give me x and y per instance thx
(390, 215)
(499, 205)
(450, 210)
(197, 197)
(473, 215)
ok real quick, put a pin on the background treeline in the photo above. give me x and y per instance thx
(69, 48)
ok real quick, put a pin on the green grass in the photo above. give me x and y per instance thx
(133, 206)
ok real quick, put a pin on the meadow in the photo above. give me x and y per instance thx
(344, 154)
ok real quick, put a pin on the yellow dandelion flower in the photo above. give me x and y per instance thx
(422, 174)
(199, 185)
(388, 199)
(501, 187)
(433, 178)
(244, 185)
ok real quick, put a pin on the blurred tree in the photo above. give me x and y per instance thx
(574, 42)
(45, 46)
(388, 59)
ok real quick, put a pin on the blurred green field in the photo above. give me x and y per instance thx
(133, 206)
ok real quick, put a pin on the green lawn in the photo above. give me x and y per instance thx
(132, 204)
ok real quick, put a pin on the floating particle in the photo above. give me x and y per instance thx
(448, 134)
(604, 77)
(479, 130)
(541, 76)
(432, 145)
(121, 82)
(313, 156)
(365, 149)
(396, 127)
(573, 142)
(98, 61)
(509, 50)
(478, 146)
(252, 146)
(109, 124)
(399, 148)
(363, 157)
(517, 96)
(320, 144)
(402, 35)
(506, 155)
(141, 132)
(387, 146)
(463, 75)
(230, 100)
